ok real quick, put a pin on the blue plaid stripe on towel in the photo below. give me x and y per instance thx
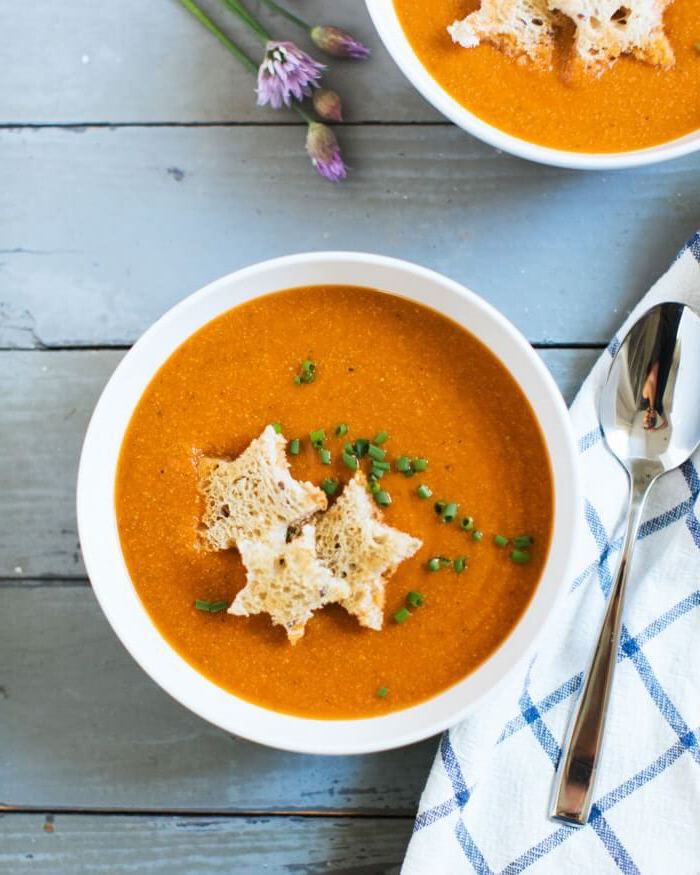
(484, 809)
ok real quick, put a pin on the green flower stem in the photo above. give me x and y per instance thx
(247, 18)
(297, 107)
(287, 14)
(247, 62)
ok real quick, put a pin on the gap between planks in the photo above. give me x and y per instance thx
(310, 814)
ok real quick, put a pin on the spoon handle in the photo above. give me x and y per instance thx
(575, 779)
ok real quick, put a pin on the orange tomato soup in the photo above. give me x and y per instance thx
(383, 363)
(631, 106)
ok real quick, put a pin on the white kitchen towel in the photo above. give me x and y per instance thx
(484, 809)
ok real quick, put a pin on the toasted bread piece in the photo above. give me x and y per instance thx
(519, 28)
(254, 497)
(359, 548)
(606, 29)
(288, 582)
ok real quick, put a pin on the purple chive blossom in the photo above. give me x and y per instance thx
(324, 151)
(327, 105)
(286, 72)
(338, 43)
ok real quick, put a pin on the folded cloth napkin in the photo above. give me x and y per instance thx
(485, 806)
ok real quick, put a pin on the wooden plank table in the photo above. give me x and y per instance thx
(135, 168)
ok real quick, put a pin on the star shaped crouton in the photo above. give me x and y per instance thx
(288, 582)
(359, 548)
(606, 29)
(254, 497)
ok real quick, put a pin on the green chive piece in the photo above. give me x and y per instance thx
(377, 473)
(361, 446)
(376, 453)
(500, 541)
(520, 557)
(415, 599)
(696, 46)
(374, 487)
(434, 564)
(307, 372)
(325, 456)
(445, 562)
(297, 380)
(459, 564)
(349, 448)
(477, 535)
(382, 466)
(294, 446)
(402, 615)
(523, 541)
(450, 512)
(217, 607)
(467, 523)
(202, 605)
(403, 464)
(277, 427)
(381, 438)
(440, 507)
(382, 693)
(382, 498)
(329, 486)
(341, 430)
(420, 464)
(351, 461)
(317, 437)
(424, 491)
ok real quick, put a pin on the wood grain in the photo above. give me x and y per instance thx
(48, 398)
(108, 228)
(74, 845)
(133, 62)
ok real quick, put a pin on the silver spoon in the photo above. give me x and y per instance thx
(650, 416)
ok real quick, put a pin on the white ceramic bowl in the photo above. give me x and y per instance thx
(100, 540)
(387, 23)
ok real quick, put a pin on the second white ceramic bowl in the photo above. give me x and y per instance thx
(387, 23)
(100, 539)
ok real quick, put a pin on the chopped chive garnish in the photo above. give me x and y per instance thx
(382, 693)
(294, 447)
(450, 512)
(307, 372)
(445, 562)
(329, 486)
(341, 430)
(361, 446)
(467, 523)
(523, 541)
(202, 605)
(351, 461)
(217, 607)
(477, 535)
(325, 456)
(277, 427)
(520, 557)
(420, 464)
(440, 506)
(424, 491)
(500, 540)
(317, 437)
(434, 564)
(459, 564)
(382, 498)
(376, 453)
(349, 448)
(402, 615)
(377, 473)
(696, 46)
(381, 466)
(374, 487)
(403, 464)
(381, 438)
(415, 599)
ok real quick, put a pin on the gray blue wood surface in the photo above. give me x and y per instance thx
(134, 168)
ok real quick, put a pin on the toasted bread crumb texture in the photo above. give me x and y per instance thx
(359, 548)
(516, 27)
(606, 29)
(254, 497)
(288, 583)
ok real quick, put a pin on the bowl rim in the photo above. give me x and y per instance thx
(106, 566)
(388, 26)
